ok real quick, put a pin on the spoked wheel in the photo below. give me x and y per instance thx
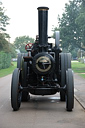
(16, 93)
(69, 90)
(65, 63)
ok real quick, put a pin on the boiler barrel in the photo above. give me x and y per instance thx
(43, 25)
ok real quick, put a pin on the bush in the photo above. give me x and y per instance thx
(5, 60)
(82, 60)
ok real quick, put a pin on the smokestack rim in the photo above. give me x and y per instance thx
(43, 8)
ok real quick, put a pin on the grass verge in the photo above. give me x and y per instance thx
(7, 71)
(79, 68)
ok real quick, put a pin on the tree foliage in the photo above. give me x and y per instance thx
(72, 25)
(3, 20)
(20, 42)
(6, 46)
(6, 49)
(80, 20)
(5, 60)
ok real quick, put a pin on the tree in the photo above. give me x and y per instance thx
(12, 51)
(69, 28)
(20, 42)
(80, 20)
(3, 20)
(6, 49)
(4, 44)
(5, 60)
(74, 52)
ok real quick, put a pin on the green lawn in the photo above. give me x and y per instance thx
(79, 68)
(4, 72)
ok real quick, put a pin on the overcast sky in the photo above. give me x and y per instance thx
(23, 16)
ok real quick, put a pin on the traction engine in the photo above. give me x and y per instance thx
(43, 70)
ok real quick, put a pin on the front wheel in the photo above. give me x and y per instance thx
(65, 63)
(69, 90)
(16, 93)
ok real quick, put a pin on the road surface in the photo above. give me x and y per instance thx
(39, 112)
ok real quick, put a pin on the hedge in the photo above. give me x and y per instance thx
(5, 60)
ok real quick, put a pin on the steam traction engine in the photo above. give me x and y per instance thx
(43, 70)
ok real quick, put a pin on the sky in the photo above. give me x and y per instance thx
(23, 16)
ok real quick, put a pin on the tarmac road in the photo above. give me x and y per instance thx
(39, 112)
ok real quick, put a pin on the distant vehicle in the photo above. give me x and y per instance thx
(14, 59)
(75, 58)
(43, 70)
